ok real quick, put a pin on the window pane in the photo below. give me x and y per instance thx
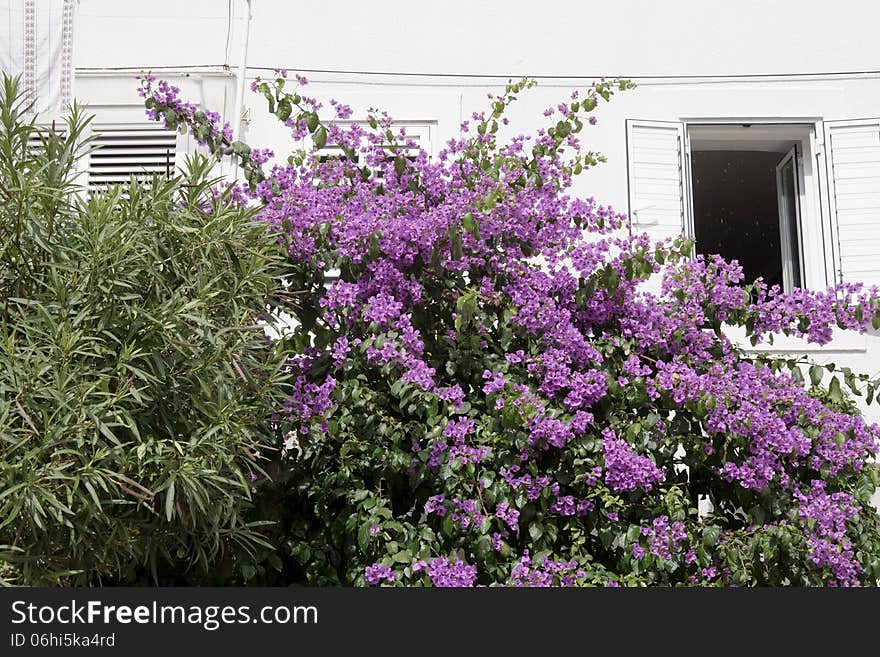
(789, 203)
(736, 210)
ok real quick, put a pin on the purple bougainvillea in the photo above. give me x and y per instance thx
(490, 380)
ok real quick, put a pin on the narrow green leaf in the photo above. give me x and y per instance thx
(169, 502)
(469, 223)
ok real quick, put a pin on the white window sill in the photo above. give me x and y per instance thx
(841, 341)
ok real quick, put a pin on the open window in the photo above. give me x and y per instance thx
(746, 194)
(796, 203)
(788, 202)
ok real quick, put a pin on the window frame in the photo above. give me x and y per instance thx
(816, 224)
(818, 217)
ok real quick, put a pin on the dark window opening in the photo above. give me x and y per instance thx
(737, 199)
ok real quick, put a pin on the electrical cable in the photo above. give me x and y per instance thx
(488, 75)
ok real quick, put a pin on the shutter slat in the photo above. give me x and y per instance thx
(129, 145)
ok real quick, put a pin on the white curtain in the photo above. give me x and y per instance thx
(36, 42)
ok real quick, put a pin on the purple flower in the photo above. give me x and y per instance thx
(470, 289)
(375, 574)
(435, 505)
(626, 470)
(548, 572)
(507, 514)
(446, 574)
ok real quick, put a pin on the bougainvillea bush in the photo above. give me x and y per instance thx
(489, 394)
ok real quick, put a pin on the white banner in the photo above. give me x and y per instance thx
(36, 42)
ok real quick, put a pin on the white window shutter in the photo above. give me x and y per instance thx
(853, 159)
(656, 169)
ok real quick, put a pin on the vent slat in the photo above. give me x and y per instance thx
(133, 159)
(160, 168)
(133, 142)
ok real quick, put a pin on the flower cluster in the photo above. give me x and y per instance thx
(164, 103)
(376, 573)
(663, 540)
(825, 517)
(446, 574)
(545, 573)
(626, 470)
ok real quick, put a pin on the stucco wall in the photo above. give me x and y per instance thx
(500, 37)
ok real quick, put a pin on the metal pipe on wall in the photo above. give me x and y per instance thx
(242, 72)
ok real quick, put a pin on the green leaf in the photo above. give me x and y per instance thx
(312, 121)
(469, 223)
(320, 137)
(850, 379)
(816, 373)
(284, 109)
(710, 536)
(455, 244)
(404, 556)
(536, 531)
(169, 502)
(240, 148)
(834, 391)
(170, 119)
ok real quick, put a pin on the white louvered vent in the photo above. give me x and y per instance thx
(122, 151)
(419, 132)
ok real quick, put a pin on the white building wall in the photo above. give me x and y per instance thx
(498, 37)
(791, 59)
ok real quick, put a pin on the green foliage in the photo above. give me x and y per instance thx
(136, 384)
